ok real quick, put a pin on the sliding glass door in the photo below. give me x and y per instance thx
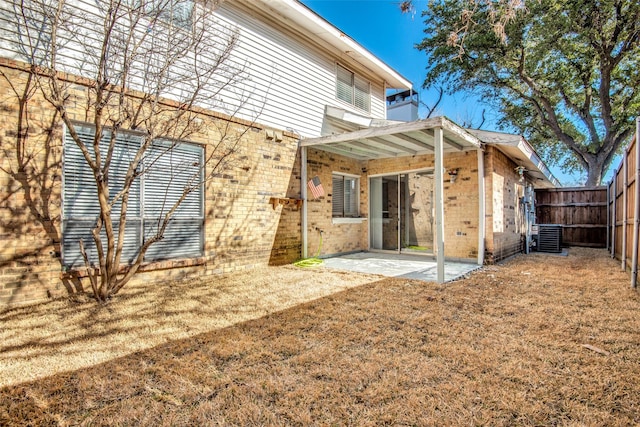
(401, 212)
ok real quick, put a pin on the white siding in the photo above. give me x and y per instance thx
(290, 80)
(304, 77)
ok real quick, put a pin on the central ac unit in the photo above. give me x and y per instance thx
(549, 238)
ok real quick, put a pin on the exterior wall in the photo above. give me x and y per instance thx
(461, 202)
(294, 76)
(291, 77)
(336, 237)
(292, 80)
(505, 216)
(240, 226)
(460, 198)
(287, 243)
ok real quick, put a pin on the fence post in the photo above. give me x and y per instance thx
(625, 204)
(608, 242)
(636, 210)
(614, 214)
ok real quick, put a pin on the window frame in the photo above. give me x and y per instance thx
(343, 194)
(78, 218)
(355, 84)
(176, 16)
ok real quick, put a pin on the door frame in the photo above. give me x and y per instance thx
(369, 198)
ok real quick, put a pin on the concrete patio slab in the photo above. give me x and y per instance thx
(395, 265)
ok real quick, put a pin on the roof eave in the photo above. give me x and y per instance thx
(295, 12)
(500, 139)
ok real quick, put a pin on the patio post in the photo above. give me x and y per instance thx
(481, 206)
(303, 195)
(439, 196)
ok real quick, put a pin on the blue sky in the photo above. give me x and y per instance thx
(391, 35)
(379, 26)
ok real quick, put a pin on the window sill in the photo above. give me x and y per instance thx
(347, 220)
(354, 109)
(81, 272)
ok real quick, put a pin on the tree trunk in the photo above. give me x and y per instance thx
(595, 171)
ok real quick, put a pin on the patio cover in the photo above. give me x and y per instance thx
(396, 139)
(434, 136)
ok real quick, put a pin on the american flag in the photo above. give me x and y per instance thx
(316, 187)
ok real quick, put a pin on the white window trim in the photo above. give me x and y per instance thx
(354, 76)
(347, 219)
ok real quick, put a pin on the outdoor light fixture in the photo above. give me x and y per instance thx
(453, 174)
(521, 170)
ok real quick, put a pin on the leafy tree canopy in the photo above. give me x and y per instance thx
(564, 73)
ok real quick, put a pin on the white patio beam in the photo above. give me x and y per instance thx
(415, 142)
(446, 140)
(343, 152)
(373, 149)
(391, 145)
(375, 131)
(356, 149)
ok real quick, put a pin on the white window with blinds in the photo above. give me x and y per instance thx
(174, 12)
(353, 89)
(170, 167)
(345, 196)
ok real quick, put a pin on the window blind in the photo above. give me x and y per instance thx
(344, 86)
(171, 167)
(337, 201)
(345, 196)
(362, 93)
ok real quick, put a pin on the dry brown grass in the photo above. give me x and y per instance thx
(503, 347)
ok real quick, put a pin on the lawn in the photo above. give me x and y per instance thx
(538, 340)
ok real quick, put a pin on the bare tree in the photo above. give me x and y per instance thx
(148, 66)
(433, 108)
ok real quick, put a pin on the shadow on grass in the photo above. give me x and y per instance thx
(502, 347)
(65, 334)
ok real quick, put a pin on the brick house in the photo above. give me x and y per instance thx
(483, 195)
(388, 185)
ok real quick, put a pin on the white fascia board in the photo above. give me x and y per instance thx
(320, 28)
(519, 142)
(533, 157)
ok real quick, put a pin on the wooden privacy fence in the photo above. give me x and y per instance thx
(623, 202)
(582, 213)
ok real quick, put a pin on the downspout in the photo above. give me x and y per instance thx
(303, 194)
(528, 206)
(636, 211)
(481, 206)
(399, 223)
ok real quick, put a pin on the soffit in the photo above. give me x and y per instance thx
(521, 153)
